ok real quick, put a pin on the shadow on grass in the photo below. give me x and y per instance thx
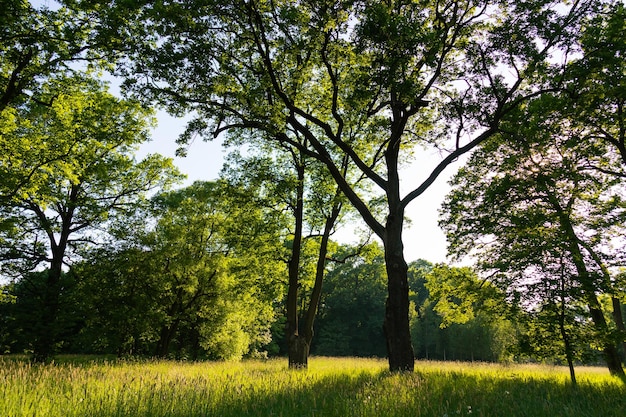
(384, 394)
(267, 389)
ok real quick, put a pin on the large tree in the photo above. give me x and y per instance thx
(593, 98)
(544, 224)
(92, 177)
(400, 73)
(194, 275)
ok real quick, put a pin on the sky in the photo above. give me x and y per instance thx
(422, 236)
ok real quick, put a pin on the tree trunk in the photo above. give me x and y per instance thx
(316, 293)
(611, 354)
(396, 324)
(569, 354)
(298, 352)
(291, 326)
(43, 347)
(165, 339)
(619, 322)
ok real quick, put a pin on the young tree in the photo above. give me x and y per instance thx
(93, 178)
(401, 73)
(295, 183)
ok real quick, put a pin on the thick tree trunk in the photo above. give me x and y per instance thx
(396, 324)
(619, 322)
(165, 339)
(43, 347)
(298, 352)
(610, 351)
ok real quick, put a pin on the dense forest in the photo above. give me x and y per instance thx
(320, 105)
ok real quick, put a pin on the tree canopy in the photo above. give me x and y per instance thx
(68, 167)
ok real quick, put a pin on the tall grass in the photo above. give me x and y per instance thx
(331, 387)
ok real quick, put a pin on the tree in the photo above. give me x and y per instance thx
(542, 221)
(195, 275)
(593, 94)
(94, 178)
(295, 183)
(593, 99)
(39, 44)
(344, 75)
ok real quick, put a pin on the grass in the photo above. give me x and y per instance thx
(331, 387)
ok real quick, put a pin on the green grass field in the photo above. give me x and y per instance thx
(331, 387)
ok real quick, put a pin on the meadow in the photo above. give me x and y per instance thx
(339, 387)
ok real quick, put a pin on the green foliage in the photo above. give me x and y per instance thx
(593, 95)
(460, 317)
(540, 211)
(355, 84)
(41, 44)
(353, 304)
(198, 277)
(69, 167)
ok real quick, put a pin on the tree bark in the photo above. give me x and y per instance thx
(165, 339)
(619, 322)
(294, 342)
(611, 354)
(43, 347)
(396, 325)
(298, 352)
(566, 340)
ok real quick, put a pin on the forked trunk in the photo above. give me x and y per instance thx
(298, 352)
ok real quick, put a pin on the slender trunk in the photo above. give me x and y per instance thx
(297, 347)
(611, 354)
(316, 294)
(566, 341)
(396, 324)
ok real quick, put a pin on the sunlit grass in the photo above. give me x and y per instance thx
(331, 387)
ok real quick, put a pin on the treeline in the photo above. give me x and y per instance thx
(139, 301)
